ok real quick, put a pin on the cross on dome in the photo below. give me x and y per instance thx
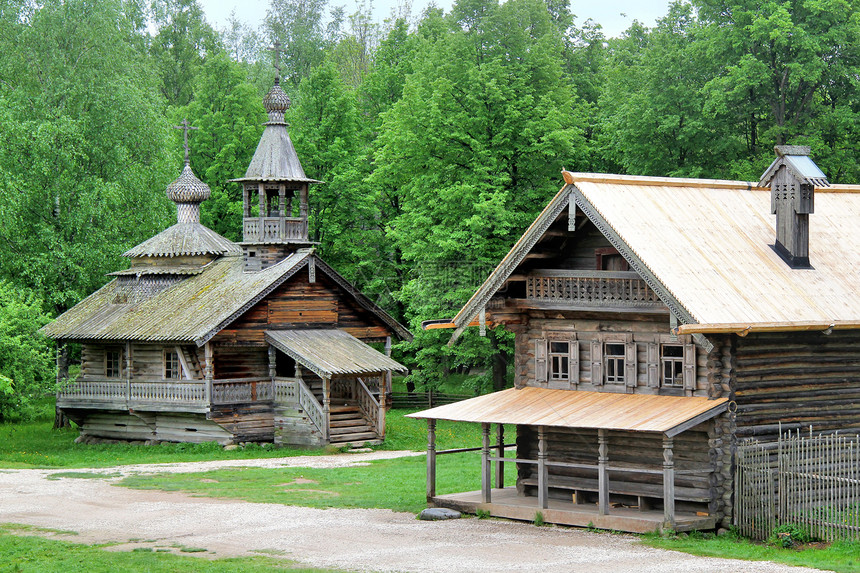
(185, 127)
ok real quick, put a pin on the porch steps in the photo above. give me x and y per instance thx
(348, 426)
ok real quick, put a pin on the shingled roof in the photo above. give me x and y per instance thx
(183, 239)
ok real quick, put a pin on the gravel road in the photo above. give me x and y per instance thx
(353, 539)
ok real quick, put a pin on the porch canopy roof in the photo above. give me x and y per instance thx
(530, 406)
(331, 352)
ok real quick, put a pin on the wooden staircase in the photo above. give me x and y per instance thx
(349, 426)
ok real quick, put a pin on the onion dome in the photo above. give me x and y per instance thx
(276, 102)
(188, 188)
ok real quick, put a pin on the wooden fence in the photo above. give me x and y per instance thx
(431, 399)
(812, 482)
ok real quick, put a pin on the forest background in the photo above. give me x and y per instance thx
(439, 137)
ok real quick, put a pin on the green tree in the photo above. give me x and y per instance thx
(786, 73)
(229, 114)
(474, 148)
(301, 28)
(83, 161)
(183, 40)
(26, 370)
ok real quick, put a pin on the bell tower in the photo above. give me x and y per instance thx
(274, 189)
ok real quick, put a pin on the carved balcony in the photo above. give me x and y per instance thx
(275, 229)
(590, 289)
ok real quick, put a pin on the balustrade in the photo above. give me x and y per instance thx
(275, 228)
(592, 288)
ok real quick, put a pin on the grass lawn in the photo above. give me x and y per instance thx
(37, 445)
(30, 552)
(397, 484)
(841, 557)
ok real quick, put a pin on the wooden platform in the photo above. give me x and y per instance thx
(507, 503)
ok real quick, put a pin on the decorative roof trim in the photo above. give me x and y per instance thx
(508, 264)
(674, 305)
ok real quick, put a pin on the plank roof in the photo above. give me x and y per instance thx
(275, 158)
(532, 406)
(709, 243)
(331, 352)
(706, 247)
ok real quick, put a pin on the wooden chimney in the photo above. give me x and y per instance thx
(792, 179)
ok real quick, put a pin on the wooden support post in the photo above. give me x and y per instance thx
(261, 202)
(326, 408)
(668, 483)
(208, 370)
(486, 479)
(129, 369)
(543, 477)
(273, 362)
(602, 472)
(500, 452)
(431, 459)
(282, 200)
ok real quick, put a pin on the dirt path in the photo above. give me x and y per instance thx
(354, 539)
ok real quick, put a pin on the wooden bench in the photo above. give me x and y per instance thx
(636, 489)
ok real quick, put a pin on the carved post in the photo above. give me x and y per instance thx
(326, 407)
(602, 473)
(273, 362)
(208, 371)
(261, 196)
(543, 486)
(486, 483)
(500, 449)
(668, 483)
(129, 366)
(282, 200)
(431, 459)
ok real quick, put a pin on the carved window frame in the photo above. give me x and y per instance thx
(676, 363)
(546, 361)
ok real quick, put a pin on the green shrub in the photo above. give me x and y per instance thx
(789, 535)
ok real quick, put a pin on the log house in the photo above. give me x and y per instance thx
(203, 339)
(658, 321)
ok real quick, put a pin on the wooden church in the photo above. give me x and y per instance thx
(658, 322)
(203, 339)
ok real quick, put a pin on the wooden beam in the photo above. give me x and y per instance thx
(743, 328)
(573, 178)
(486, 480)
(500, 452)
(431, 459)
(183, 362)
(543, 476)
(541, 255)
(602, 472)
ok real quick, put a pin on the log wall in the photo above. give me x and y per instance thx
(798, 379)
(642, 330)
(301, 304)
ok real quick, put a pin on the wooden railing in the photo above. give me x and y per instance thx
(591, 288)
(193, 394)
(242, 390)
(275, 228)
(294, 391)
(369, 406)
(95, 390)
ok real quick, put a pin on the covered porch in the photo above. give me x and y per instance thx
(587, 458)
(338, 391)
